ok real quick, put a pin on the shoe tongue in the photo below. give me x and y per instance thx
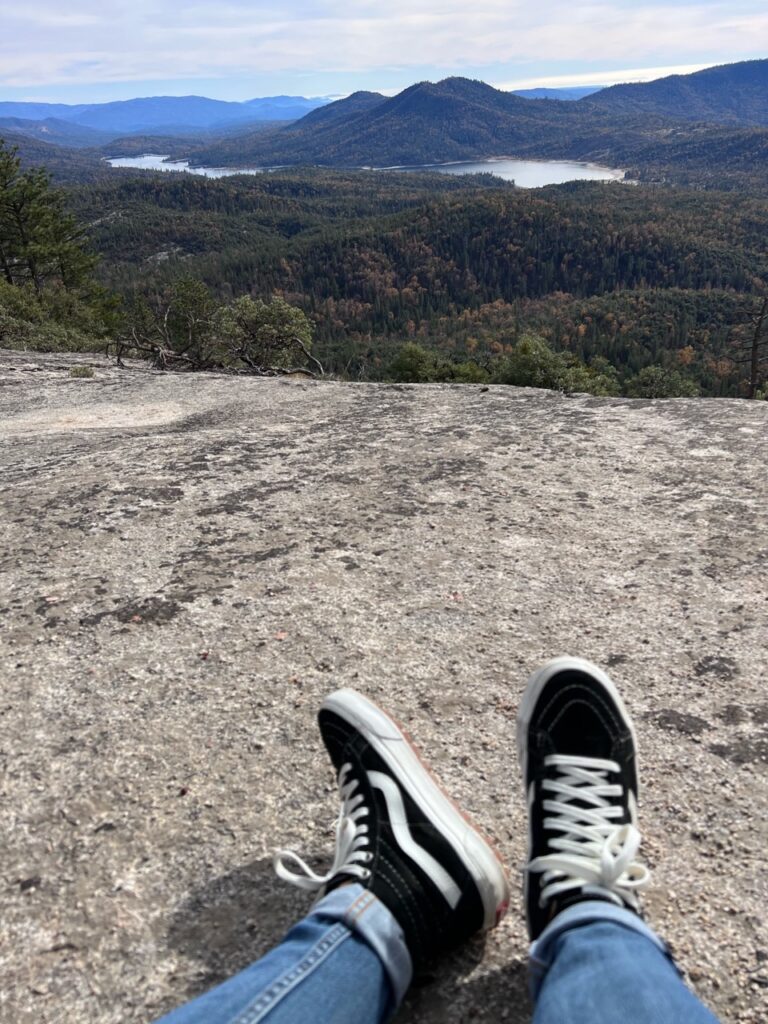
(582, 733)
(560, 773)
(578, 803)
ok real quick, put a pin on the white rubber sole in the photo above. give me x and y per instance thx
(394, 747)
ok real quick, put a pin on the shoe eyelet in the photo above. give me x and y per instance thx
(366, 874)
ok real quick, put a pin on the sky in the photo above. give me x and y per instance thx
(87, 51)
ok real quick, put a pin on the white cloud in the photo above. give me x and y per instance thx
(109, 40)
(601, 77)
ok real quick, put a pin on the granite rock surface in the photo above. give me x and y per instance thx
(189, 563)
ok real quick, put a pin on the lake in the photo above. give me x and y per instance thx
(525, 173)
(156, 162)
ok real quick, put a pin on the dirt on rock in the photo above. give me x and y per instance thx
(190, 563)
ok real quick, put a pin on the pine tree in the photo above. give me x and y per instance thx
(40, 242)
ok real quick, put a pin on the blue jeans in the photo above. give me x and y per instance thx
(347, 963)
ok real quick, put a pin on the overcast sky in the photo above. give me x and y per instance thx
(91, 50)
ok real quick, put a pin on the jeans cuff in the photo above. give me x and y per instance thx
(542, 951)
(366, 916)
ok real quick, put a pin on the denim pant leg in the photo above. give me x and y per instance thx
(345, 963)
(599, 964)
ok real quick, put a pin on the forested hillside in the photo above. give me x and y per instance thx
(465, 266)
(53, 130)
(64, 164)
(728, 94)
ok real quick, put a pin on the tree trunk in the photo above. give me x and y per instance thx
(754, 362)
(6, 267)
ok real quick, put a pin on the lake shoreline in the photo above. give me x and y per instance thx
(619, 173)
(560, 171)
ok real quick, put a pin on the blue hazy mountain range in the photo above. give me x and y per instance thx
(159, 114)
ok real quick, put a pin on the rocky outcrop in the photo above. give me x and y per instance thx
(190, 562)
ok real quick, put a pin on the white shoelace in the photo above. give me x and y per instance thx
(351, 840)
(592, 852)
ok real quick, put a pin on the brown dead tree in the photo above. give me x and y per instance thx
(752, 341)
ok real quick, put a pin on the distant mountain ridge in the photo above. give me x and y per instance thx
(455, 119)
(165, 113)
(734, 94)
(55, 131)
(339, 110)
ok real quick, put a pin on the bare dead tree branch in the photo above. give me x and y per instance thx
(754, 363)
(280, 371)
(309, 356)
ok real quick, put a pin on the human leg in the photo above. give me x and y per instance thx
(599, 968)
(346, 962)
(593, 958)
(410, 878)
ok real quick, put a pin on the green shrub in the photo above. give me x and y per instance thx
(469, 372)
(660, 382)
(533, 364)
(81, 371)
(184, 328)
(413, 364)
(262, 334)
(55, 321)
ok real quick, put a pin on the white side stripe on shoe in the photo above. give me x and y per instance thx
(632, 808)
(399, 821)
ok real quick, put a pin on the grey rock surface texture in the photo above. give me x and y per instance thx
(189, 563)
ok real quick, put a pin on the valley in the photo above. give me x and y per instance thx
(455, 258)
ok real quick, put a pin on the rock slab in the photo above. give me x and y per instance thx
(189, 563)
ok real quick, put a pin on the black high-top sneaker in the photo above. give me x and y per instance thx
(576, 745)
(400, 836)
